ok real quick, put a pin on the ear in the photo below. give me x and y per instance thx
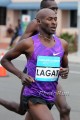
(38, 21)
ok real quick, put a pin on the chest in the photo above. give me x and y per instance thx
(41, 50)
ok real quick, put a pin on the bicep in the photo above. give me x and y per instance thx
(14, 52)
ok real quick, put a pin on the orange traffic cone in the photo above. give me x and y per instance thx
(3, 71)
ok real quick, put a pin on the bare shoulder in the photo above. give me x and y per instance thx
(34, 22)
(64, 43)
(32, 26)
(30, 30)
(27, 42)
(24, 45)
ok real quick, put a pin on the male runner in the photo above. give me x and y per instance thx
(42, 65)
(60, 103)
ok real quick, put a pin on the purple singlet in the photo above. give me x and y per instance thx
(45, 90)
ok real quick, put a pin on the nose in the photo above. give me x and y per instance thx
(54, 22)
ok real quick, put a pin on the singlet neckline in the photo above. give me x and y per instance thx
(44, 45)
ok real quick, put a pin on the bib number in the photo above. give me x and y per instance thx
(47, 68)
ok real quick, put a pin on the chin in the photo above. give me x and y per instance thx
(53, 32)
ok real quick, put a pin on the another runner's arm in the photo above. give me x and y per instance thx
(31, 28)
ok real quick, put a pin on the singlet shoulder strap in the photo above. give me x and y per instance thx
(57, 39)
(35, 37)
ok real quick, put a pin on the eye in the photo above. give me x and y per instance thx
(49, 19)
(55, 18)
(54, 8)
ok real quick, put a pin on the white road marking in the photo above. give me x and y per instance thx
(74, 72)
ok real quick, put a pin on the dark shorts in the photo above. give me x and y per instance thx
(34, 100)
(25, 70)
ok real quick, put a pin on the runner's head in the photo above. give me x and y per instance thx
(47, 21)
(51, 4)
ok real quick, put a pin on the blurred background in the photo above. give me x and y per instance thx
(68, 28)
(25, 10)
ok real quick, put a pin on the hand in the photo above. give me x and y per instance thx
(26, 79)
(64, 72)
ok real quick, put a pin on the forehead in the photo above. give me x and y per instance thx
(51, 4)
(45, 13)
(50, 14)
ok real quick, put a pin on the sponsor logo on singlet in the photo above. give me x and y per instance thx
(47, 68)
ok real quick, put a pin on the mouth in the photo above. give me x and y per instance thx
(53, 28)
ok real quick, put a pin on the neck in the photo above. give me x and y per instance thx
(45, 36)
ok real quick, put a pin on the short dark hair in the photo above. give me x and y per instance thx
(43, 3)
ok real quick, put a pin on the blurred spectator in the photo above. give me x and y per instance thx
(18, 32)
(10, 31)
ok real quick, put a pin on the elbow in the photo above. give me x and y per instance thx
(2, 61)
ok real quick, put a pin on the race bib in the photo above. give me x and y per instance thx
(47, 68)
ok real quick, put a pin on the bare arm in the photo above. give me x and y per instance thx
(10, 55)
(65, 57)
(21, 48)
(31, 28)
(65, 68)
